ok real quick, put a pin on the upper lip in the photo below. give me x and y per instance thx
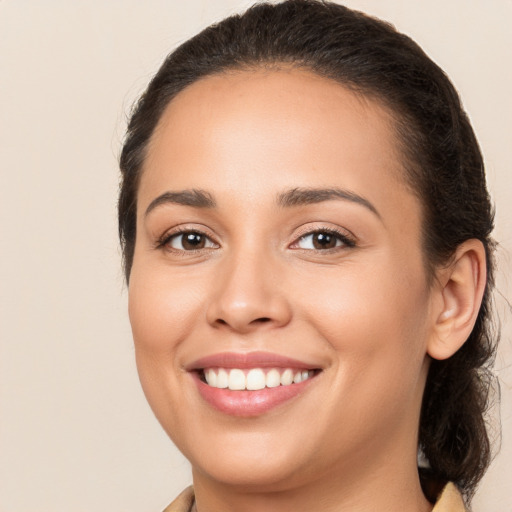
(248, 360)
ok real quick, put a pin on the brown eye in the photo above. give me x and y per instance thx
(190, 241)
(323, 240)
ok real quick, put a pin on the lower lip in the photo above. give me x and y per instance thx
(249, 403)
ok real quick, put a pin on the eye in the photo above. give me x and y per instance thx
(323, 240)
(189, 241)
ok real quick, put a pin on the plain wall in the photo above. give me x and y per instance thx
(75, 430)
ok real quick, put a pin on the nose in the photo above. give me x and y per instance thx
(247, 295)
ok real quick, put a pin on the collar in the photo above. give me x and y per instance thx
(450, 500)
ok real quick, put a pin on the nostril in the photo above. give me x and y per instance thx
(261, 320)
(256, 321)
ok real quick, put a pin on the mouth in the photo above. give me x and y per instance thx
(254, 379)
(248, 385)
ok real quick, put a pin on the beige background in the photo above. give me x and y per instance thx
(75, 431)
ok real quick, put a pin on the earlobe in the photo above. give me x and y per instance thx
(462, 285)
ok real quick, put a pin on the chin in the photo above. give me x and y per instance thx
(265, 476)
(254, 460)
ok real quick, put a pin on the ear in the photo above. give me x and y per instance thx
(460, 288)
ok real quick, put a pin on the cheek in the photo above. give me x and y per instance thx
(375, 320)
(163, 311)
(374, 327)
(162, 308)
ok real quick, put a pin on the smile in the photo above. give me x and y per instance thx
(251, 384)
(238, 379)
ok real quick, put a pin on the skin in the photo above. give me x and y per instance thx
(364, 314)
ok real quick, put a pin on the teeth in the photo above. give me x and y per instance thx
(287, 377)
(222, 379)
(254, 379)
(273, 379)
(237, 380)
(211, 378)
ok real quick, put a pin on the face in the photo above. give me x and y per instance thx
(276, 241)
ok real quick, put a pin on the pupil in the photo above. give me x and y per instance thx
(323, 241)
(193, 241)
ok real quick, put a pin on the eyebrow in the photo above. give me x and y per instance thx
(191, 197)
(305, 196)
(298, 196)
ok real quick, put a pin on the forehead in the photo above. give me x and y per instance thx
(258, 130)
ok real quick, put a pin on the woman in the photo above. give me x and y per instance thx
(306, 235)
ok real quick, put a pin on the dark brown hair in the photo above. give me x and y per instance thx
(443, 163)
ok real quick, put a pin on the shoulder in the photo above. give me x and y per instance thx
(183, 503)
(450, 500)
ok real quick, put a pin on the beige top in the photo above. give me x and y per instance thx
(449, 501)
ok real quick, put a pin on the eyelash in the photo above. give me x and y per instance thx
(163, 241)
(346, 240)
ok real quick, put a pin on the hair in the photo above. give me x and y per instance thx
(443, 166)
